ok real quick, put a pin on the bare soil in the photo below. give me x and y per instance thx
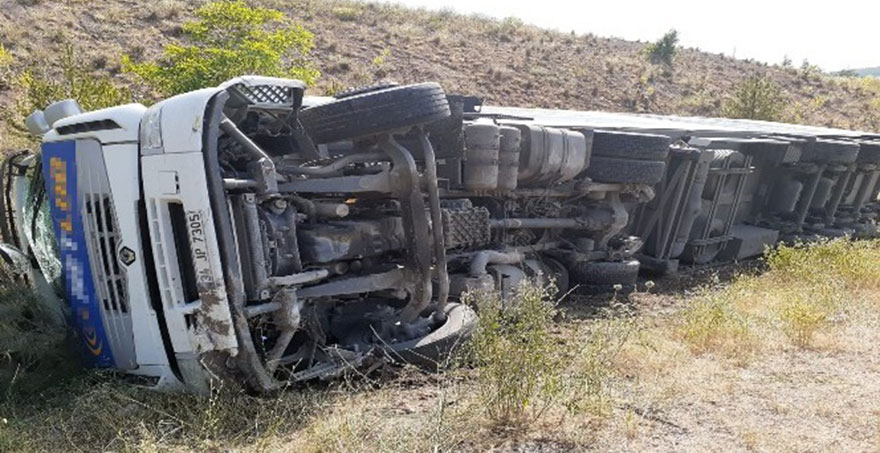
(504, 61)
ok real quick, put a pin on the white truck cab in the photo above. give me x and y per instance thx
(178, 259)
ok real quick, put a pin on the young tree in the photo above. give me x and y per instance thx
(757, 98)
(229, 39)
(664, 50)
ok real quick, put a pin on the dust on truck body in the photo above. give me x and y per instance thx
(252, 234)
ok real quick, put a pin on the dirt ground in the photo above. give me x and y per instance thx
(792, 400)
(664, 397)
(704, 361)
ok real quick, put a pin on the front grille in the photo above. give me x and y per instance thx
(102, 232)
(266, 94)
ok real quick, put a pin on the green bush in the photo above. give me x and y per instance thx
(712, 323)
(664, 50)
(517, 368)
(346, 13)
(757, 98)
(524, 372)
(230, 39)
(5, 56)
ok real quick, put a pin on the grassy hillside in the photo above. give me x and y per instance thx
(505, 61)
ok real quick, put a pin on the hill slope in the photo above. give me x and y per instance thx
(505, 61)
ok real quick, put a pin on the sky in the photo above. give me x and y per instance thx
(835, 35)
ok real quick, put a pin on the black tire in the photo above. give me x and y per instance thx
(349, 92)
(606, 273)
(628, 145)
(869, 153)
(610, 169)
(375, 112)
(560, 273)
(430, 351)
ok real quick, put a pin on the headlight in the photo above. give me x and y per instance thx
(151, 131)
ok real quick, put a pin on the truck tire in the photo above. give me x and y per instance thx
(628, 145)
(614, 170)
(375, 112)
(349, 92)
(609, 273)
(430, 351)
(560, 274)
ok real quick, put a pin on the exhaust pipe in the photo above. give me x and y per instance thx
(36, 123)
(61, 109)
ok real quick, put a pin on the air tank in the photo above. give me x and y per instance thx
(508, 157)
(482, 144)
(785, 196)
(550, 155)
(823, 193)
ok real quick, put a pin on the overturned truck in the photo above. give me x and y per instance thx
(250, 233)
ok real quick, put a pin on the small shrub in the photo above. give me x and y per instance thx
(713, 324)
(665, 49)
(808, 71)
(524, 373)
(6, 61)
(516, 365)
(594, 358)
(757, 98)
(346, 13)
(507, 29)
(802, 316)
(5, 57)
(230, 39)
(379, 60)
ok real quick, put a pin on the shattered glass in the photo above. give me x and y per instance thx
(39, 232)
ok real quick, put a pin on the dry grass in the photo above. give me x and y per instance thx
(746, 365)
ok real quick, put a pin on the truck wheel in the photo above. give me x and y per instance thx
(375, 112)
(430, 351)
(592, 273)
(610, 169)
(627, 145)
(560, 274)
(347, 93)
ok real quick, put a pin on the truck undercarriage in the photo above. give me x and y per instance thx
(269, 237)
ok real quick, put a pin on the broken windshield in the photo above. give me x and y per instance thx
(36, 225)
